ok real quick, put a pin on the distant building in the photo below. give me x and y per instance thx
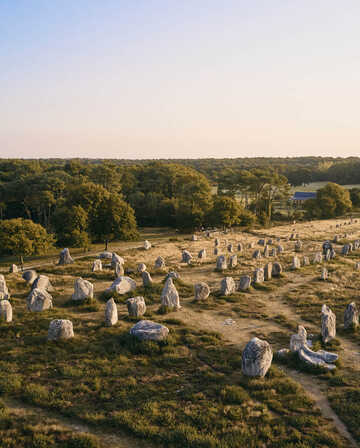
(301, 196)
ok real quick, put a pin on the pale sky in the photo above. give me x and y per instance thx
(179, 78)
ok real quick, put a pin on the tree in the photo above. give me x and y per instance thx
(22, 237)
(355, 197)
(71, 226)
(225, 212)
(331, 201)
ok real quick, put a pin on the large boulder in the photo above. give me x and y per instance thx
(202, 291)
(351, 316)
(96, 266)
(122, 285)
(227, 286)
(39, 300)
(83, 290)
(146, 279)
(256, 358)
(321, 358)
(60, 329)
(29, 276)
(65, 257)
(160, 262)
(148, 330)
(136, 306)
(221, 263)
(169, 295)
(5, 311)
(111, 313)
(328, 324)
(244, 283)
(42, 282)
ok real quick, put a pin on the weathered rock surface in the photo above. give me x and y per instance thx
(119, 270)
(202, 291)
(39, 300)
(318, 258)
(186, 257)
(141, 267)
(268, 271)
(96, 266)
(29, 276)
(233, 261)
(146, 278)
(258, 276)
(116, 259)
(194, 238)
(351, 316)
(172, 274)
(227, 286)
(122, 285)
(221, 263)
(106, 255)
(276, 269)
(4, 290)
(160, 263)
(170, 296)
(306, 261)
(230, 248)
(65, 257)
(298, 340)
(60, 329)
(295, 263)
(6, 313)
(244, 283)
(256, 358)
(202, 254)
(136, 306)
(147, 245)
(321, 358)
(13, 269)
(111, 313)
(328, 324)
(83, 289)
(298, 246)
(257, 254)
(148, 330)
(324, 274)
(42, 282)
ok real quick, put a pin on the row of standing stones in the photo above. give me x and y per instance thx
(257, 355)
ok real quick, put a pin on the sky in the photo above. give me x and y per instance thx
(179, 79)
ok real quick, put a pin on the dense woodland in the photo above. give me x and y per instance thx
(77, 202)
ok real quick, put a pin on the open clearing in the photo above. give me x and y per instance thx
(189, 391)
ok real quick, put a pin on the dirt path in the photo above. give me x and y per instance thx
(115, 440)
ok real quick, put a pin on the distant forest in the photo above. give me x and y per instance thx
(79, 201)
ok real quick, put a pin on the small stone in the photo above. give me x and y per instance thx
(194, 238)
(233, 261)
(160, 263)
(216, 250)
(6, 313)
(141, 267)
(173, 274)
(4, 290)
(217, 242)
(136, 306)
(240, 247)
(230, 248)
(42, 282)
(324, 274)
(261, 242)
(106, 255)
(266, 251)
(147, 245)
(298, 246)
(146, 278)
(60, 329)
(148, 330)
(297, 341)
(351, 316)
(115, 258)
(202, 291)
(96, 266)
(119, 270)
(256, 358)
(306, 260)
(111, 313)
(202, 254)
(317, 258)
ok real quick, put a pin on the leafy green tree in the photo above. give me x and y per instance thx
(23, 237)
(225, 212)
(331, 201)
(71, 226)
(355, 197)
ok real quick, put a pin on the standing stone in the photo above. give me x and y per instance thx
(357, 266)
(60, 329)
(269, 242)
(96, 266)
(194, 238)
(328, 324)
(356, 244)
(233, 261)
(202, 291)
(230, 248)
(256, 358)
(5, 311)
(266, 251)
(276, 269)
(160, 262)
(227, 286)
(39, 300)
(111, 313)
(351, 316)
(216, 250)
(29, 276)
(4, 291)
(122, 285)
(141, 267)
(136, 306)
(345, 249)
(217, 242)
(221, 263)
(257, 254)
(306, 261)
(261, 242)
(268, 271)
(258, 276)
(106, 255)
(273, 252)
(297, 341)
(13, 269)
(146, 279)
(186, 257)
(65, 257)
(240, 247)
(328, 255)
(83, 290)
(116, 259)
(324, 274)
(147, 245)
(251, 245)
(172, 274)
(119, 270)
(148, 330)
(326, 246)
(298, 246)
(336, 239)
(202, 254)
(244, 283)
(42, 282)
(332, 254)
(295, 263)
(280, 249)
(317, 258)
(169, 296)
